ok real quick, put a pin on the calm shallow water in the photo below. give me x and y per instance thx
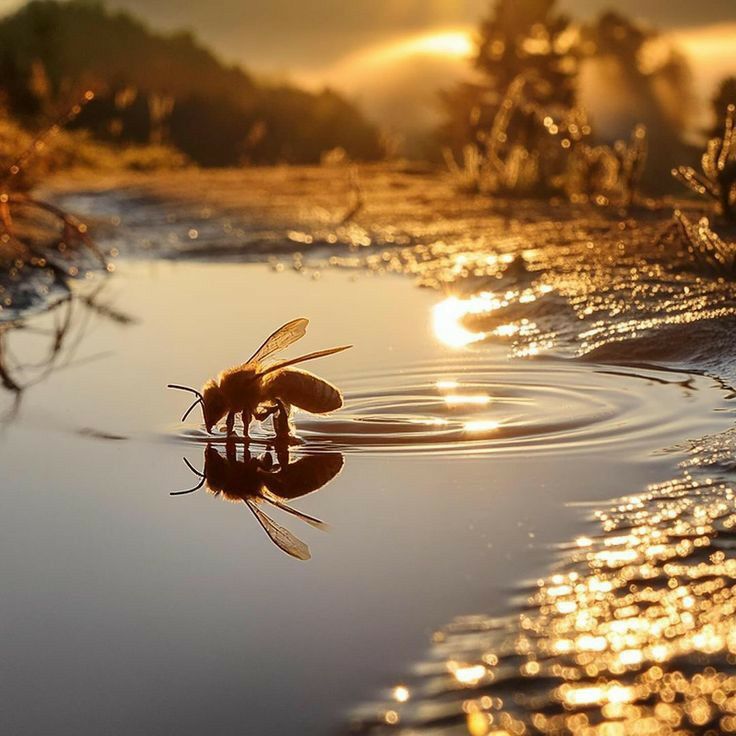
(128, 611)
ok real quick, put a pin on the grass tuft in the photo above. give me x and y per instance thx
(42, 247)
(718, 178)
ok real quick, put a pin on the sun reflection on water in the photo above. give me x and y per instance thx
(446, 321)
(467, 399)
(449, 318)
(481, 426)
(446, 385)
(467, 674)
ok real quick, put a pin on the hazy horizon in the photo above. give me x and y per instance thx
(392, 56)
(280, 36)
(277, 36)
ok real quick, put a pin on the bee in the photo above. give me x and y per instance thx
(258, 391)
(256, 480)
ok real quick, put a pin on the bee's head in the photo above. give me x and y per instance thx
(212, 400)
(214, 404)
(211, 456)
(215, 466)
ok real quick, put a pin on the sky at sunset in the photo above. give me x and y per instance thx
(284, 35)
(288, 35)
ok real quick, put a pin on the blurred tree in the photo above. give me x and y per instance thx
(529, 38)
(539, 78)
(468, 113)
(151, 87)
(640, 72)
(519, 39)
(631, 75)
(527, 65)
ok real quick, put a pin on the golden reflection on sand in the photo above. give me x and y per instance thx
(635, 633)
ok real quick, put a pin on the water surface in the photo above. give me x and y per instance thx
(126, 610)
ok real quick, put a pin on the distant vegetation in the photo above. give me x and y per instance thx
(718, 163)
(524, 127)
(156, 89)
(724, 98)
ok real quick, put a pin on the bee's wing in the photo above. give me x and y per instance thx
(281, 339)
(281, 537)
(303, 358)
(279, 504)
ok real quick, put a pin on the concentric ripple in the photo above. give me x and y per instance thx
(481, 407)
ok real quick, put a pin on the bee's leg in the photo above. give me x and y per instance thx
(231, 451)
(246, 416)
(230, 423)
(265, 414)
(281, 446)
(281, 420)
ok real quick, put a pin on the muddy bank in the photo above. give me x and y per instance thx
(541, 277)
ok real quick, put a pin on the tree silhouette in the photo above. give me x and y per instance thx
(527, 62)
(529, 38)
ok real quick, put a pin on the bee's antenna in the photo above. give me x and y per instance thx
(186, 388)
(200, 398)
(192, 468)
(187, 412)
(191, 490)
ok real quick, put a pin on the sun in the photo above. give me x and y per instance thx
(449, 43)
(457, 43)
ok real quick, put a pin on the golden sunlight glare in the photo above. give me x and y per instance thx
(467, 674)
(447, 385)
(467, 399)
(446, 318)
(449, 43)
(445, 43)
(481, 425)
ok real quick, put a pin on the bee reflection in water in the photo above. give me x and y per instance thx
(256, 480)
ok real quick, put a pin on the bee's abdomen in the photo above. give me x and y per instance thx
(304, 390)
